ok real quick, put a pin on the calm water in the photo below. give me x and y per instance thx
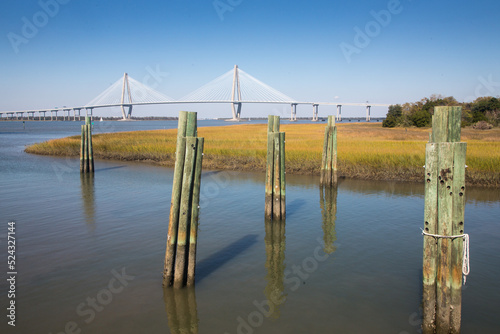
(90, 250)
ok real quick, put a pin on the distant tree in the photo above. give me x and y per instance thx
(390, 122)
(482, 105)
(421, 118)
(493, 117)
(408, 110)
(466, 114)
(420, 113)
(395, 110)
(394, 114)
(437, 101)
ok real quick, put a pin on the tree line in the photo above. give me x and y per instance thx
(482, 113)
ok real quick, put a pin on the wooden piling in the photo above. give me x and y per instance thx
(329, 156)
(282, 175)
(185, 212)
(180, 253)
(444, 216)
(175, 200)
(277, 177)
(334, 153)
(269, 168)
(445, 208)
(89, 147)
(458, 189)
(86, 151)
(82, 151)
(276, 124)
(275, 200)
(193, 228)
(430, 244)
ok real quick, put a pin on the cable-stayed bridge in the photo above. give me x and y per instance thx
(234, 87)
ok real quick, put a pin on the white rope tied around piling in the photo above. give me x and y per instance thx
(465, 255)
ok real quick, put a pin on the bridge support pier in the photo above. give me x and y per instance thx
(293, 116)
(339, 112)
(91, 113)
(129, 114)
(368, 113)
(238, 112)
(79, 114)
(315, 112)
(236, 108)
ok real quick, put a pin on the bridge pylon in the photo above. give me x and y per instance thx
(293, 115)
(236, 95)
(126, 87)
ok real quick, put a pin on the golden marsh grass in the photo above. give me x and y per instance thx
(365, 150)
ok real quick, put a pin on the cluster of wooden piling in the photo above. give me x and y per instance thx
(444, 216)
(180, 254)
(329, 157)
(275, 205)
(86, 153)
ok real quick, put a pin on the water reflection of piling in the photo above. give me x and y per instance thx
(181, 308)
(328, 203)
(87, 184)
(275, 264)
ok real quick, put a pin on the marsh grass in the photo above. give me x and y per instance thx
(365, 150)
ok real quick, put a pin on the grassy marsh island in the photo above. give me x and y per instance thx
(365, 150)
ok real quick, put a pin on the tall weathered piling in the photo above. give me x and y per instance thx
(329, 157)
(443, 257)
(180, 253)
(275, 204)
(82, 150)
(89, 145)
(86, 151)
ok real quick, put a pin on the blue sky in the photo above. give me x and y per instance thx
(384, 51)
